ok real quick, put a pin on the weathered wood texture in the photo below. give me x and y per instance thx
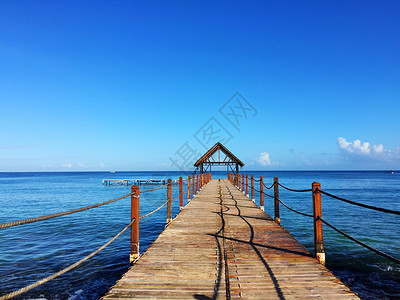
(222, 246)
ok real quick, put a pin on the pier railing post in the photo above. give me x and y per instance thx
(188, 191)
(180, 194)
(243, 189)
(135, 226)
(197, 183)
(194, 187)
(276, 200)
(201, 175)
(169, 203)
(252, 189)
(247, 185)
(318, 235)
(261, 193)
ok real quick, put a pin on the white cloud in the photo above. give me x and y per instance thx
(81, 165)
(264, 159)
(361, 149)
(67, 165)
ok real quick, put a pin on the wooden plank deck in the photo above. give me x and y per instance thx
(222, 246)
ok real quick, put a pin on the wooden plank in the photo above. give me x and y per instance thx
(222, 246)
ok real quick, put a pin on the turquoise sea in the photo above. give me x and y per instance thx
(33, 251)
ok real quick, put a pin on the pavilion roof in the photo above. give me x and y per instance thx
(208, 156)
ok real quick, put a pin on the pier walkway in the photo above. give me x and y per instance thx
(222, 246)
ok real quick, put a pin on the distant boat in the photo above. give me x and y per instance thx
(391, 171)
(112, 171)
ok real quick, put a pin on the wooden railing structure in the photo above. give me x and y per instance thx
(195, 183)
(198, 182)
(241, 181)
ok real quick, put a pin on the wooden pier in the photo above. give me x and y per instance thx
(222, 246)
(138, 181)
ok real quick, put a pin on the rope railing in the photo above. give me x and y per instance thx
(396, 260)
(295, 190)
(263, 193)
(65, 270)
(296, 211)
(240, 180)
(151, 190)
(389, 211)
(269, 186)
(135, 195)
(64, 213)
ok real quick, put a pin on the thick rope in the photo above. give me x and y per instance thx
(396, 260)
(160, 187)
(267, 186)
(44, 280)
(389, 211)
(150, 213)
(36, 219)
(298, 212)
(293, 190)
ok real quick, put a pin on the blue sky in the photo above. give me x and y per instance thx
(127, 85)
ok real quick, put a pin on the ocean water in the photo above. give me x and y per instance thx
(33, 251)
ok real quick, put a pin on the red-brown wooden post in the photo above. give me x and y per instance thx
(318, 235)
(135, 226)
(276, 201)
(194, 188)
(247, 185)
(169, 204)
(252, 189)
(197, 183)
(261, 193)
(243, 188)
(239, 181)
(180, 193)
(188, 191)
(200, 175)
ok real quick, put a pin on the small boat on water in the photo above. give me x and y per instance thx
(112, 171)
(391, 172)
